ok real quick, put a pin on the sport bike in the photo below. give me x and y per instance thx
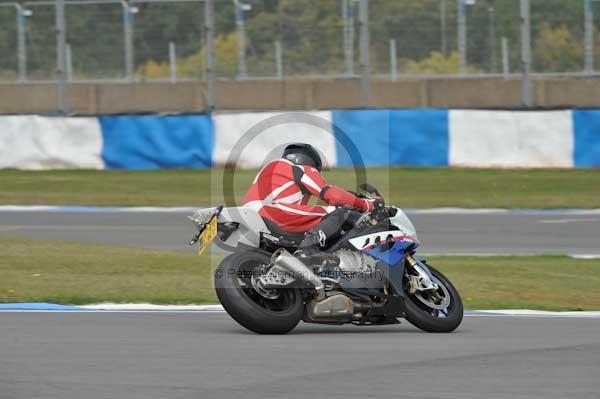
(369, 274)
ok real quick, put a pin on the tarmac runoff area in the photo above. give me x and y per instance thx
(148, 351)
(207, 355)
(441, 231)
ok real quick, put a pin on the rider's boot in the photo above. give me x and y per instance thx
(311, 244)
(309, 250)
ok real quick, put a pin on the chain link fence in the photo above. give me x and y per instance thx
(168, 40)
(8, 43)
(280, 39)
(165, 39)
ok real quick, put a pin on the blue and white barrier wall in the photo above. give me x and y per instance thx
(420, 137)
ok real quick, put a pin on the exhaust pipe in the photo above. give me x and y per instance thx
(290, 263)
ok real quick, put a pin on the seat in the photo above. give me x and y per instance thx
(291, 237)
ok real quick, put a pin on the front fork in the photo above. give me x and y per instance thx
(423, 281)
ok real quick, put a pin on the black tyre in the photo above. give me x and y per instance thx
(440, 312)
(278, 313)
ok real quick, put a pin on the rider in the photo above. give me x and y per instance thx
(281, 190)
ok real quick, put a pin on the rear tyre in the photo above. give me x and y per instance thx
(440, 312)
(278, 314)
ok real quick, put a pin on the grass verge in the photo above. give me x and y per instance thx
(405, 187)
(74, 273)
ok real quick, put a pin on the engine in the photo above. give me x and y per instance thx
(338, 307)
(355, 261)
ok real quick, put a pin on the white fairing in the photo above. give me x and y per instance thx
(250, 226)
(403, 223)
(368, 240)
(406, 231)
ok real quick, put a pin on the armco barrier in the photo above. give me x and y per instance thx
(248, 139)
(587, 138)
(424, 137)
(151, 141)
(393, 137)
(34, 142)
(511, 139)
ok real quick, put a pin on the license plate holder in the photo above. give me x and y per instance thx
(207, 235)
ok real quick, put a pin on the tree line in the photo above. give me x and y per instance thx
(311, 34)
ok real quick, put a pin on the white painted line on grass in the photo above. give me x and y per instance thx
(534, 313)
(149, 306)
(569, 220)
(505, 254)
(501, 211)
(94, 209)
(585, 256)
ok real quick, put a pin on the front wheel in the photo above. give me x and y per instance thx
(438, 311)
(275, 311)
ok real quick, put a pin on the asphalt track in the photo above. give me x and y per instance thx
(190, 355)
(440, 233)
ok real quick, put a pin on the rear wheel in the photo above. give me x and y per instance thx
(275, 311)
(435, 311)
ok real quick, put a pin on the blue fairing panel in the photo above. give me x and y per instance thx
(392, 256)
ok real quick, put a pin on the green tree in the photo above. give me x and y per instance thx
(436, 63)
(310, 32)
(414, 24)
(557, 50)
(194, 65)
(8, 40)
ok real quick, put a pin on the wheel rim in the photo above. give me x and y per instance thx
(276, 300)
(437, 303)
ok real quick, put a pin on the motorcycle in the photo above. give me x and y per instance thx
(369, 275)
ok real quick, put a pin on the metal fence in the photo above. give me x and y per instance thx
(147, 40)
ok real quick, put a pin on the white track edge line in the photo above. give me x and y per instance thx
(149, 308)
(443, 210)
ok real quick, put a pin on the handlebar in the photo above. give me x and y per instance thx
(380, 211)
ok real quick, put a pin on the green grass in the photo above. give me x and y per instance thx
(524, 282)
(73, 273)
(405, 187)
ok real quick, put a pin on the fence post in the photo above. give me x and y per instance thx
(443, 28)
(505, 63)
(211, 73)
(393, 61)
(21, 52)
(364, 51)
(462, 36)
(492, 22)
(128, 32)
(278, 59)
(241, 39)
(589, 36)
(61, 56)
(348, 22)
(172, 63)
(69, 62)
(526, 53)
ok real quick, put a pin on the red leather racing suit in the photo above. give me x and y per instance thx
(281, 190)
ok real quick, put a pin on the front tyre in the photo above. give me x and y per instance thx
(440, 311)
(273, 312)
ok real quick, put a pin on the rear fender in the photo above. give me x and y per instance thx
(249, 230)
